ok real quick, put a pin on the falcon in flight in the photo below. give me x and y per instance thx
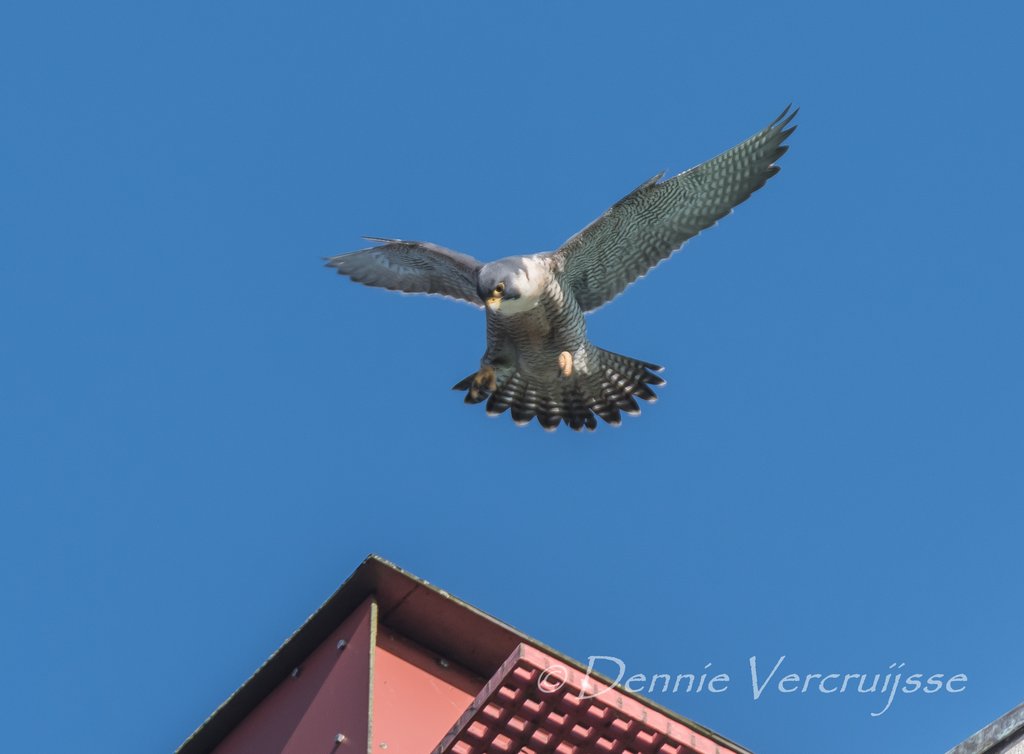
(539, 362)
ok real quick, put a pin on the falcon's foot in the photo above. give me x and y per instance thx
(484, 382)
(565, 364)
(479, 385)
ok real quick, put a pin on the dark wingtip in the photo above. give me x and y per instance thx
(784, 119)
(786, 116)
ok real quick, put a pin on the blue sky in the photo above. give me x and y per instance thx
(204, 431)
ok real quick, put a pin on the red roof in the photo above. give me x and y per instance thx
(536, 703)
(391, 662)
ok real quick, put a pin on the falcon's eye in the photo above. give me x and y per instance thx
(499, 289)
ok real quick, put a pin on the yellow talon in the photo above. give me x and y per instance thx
(485, 380)
(565, 363)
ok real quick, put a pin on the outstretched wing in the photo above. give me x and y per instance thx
(412, 267)
(646, 226)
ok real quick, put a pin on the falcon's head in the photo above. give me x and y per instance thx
(506, 287)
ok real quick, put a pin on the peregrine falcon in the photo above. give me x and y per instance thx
(539, 362)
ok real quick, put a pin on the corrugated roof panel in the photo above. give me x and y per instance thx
(536, 704)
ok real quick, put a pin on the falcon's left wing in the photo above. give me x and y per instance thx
(649, 224)
(412, 267)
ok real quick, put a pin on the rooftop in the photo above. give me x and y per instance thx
(400, 662)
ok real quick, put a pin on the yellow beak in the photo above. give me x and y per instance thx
(494, 303)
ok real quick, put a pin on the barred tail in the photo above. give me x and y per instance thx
(608, 387)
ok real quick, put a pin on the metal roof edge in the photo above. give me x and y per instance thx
(995, 737)
(282, 661)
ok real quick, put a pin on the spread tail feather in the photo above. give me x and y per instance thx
(608, 388)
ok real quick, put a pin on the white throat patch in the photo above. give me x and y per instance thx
(529, 281)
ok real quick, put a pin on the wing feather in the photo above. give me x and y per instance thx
(412, 267)
(655, 219)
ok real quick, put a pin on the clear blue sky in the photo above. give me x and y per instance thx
(203, 431)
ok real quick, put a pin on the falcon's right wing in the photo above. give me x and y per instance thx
(412, 267)
(653, 221)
